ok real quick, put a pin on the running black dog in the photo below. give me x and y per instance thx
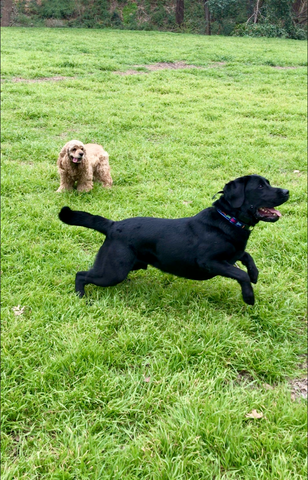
(198, 247)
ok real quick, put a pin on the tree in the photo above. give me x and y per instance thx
(6, 11)
(300, 9)
(256, 11)
(179, 12)
(207, 17)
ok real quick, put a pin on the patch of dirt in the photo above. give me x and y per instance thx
(244, 377)
(284, 68)
(158, 66)
(169, 66)
(299, 388)
(39, 80)
(28, 164)
(304, 366)
(216, 64)
(68, 133)
(130, 72)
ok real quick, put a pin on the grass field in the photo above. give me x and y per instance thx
(154, 378)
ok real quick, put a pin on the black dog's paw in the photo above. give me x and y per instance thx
(253, 275)
(79, 293)
(248, 295)
(250, 301)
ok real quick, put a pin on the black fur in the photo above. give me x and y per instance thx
(198, 247)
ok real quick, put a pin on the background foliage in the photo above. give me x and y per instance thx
(283, 18)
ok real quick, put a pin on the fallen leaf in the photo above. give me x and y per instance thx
(267, 386)
(18, 310)
(254, 414)
(147, 379)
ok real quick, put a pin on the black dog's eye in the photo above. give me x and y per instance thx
(261, 186)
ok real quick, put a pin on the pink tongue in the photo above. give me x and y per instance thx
(75, 160)
(272, 210)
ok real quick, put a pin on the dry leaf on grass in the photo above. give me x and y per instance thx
(254, 414)
(267, 386)
(18, 310)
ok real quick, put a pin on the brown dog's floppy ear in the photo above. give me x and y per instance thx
(234, 192)
(63, 151)
(62, 154)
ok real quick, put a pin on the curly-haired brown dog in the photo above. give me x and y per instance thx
(82, 164)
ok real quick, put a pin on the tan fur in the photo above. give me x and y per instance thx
(94, 165)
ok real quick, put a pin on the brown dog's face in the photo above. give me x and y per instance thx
(76, 151)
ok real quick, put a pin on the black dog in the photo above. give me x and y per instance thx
(198, 247)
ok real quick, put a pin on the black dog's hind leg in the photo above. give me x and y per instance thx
(80, 282)
(249, 263)
(113, 263)
(225, 269)
(139, 265)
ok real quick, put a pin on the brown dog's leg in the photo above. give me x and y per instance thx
(102, 175)
(65, 183)
(85, 186)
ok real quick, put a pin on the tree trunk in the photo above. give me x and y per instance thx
(179, 12)
(256, 12)
(6, 11)
(300, 11)
(207, 18)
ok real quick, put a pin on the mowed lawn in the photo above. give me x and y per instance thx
(158, 378)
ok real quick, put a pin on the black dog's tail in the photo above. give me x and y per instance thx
(84, 219)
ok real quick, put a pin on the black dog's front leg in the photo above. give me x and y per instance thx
(249, 263)
(225, 269)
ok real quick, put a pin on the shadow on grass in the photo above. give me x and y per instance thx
(153, 289)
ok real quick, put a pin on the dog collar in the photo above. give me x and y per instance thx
(233, 220)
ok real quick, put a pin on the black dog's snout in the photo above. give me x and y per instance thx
(285, 192)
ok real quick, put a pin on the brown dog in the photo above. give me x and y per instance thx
(81, 164)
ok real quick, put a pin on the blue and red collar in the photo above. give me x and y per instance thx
(234, 220)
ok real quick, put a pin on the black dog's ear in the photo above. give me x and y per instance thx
(234, 192)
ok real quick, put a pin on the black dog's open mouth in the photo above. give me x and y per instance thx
(267, 214)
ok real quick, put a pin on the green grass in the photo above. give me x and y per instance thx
(151, 379)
